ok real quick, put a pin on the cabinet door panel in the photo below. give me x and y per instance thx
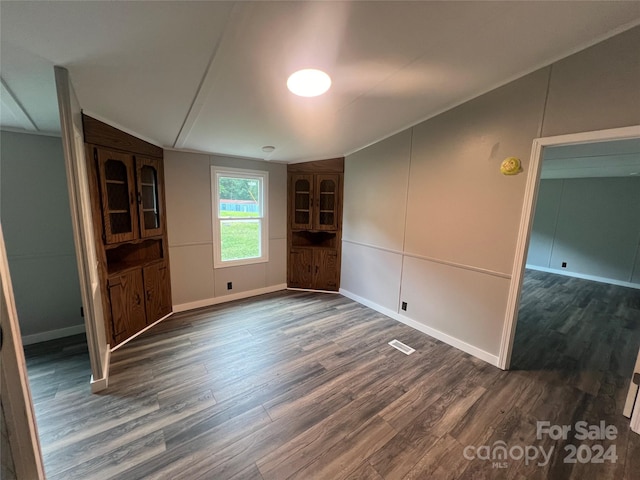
(300, 268)
(126, 294)
(326, 202)
(149, 196)
(325, 269)
(301, 202)
(157, 291)
(117, 195)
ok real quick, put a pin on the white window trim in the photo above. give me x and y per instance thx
(216, 172)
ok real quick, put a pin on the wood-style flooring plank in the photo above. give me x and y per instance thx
(364, 472)
(305, 448)
(339, 461)
(304, 385)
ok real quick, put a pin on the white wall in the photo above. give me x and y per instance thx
(194, 281)
(592, 224)
(439, 226)
(36, 220)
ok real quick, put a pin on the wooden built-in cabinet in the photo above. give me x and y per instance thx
(315, 201)
(315, 224)
(126, 295)
(130, 195)
(313, 267)
(157, 290)
(138, 297)
(126, 184)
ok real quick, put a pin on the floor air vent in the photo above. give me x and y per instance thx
(398, 345)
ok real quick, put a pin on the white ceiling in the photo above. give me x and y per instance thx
(618, 158)
(211, 76)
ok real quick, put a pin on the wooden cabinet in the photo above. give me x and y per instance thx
(138, 298)
(315, 268)
(149, 193)
(126, 294)
(117, 195)
(126, 185)
(301, 194)
(325, 268)
(300, 263)
(130, 190)
(314, 201)
(315, 224)
(157, 296)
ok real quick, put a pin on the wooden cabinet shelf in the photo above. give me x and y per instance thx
(134, 255)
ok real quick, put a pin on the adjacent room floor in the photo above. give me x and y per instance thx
(304, 385)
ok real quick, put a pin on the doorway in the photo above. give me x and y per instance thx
(550, 273)
(526, 220)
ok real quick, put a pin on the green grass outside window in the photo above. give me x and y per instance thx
(239, 240)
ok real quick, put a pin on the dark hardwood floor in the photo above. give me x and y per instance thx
(304, 386)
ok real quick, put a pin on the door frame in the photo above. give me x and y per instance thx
(634, 424)
(632, 403)
(82, 223)
(14, 384)
(526, 221)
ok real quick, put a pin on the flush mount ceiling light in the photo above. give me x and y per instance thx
(268, 148)
(309, 82)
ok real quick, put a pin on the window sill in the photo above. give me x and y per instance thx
(239, 263)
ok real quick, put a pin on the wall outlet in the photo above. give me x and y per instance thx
(564, 264)
(404, 306)
(229, 285)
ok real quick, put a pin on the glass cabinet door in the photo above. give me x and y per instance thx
(116, 178)
(326, 214)
(149, 197)
(301, 208)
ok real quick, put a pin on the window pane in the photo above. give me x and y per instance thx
(240, 239)
(239, 197)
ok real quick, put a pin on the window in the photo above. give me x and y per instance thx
(239, 216)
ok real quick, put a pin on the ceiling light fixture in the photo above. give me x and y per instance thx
(268, 148)
(309, 82)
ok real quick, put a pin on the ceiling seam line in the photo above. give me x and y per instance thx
(194, 109)
(13, 102)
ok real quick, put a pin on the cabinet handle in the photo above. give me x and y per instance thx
(148, 295)
(137, 299)
(139, 199)
(317, 268)
(309, 269)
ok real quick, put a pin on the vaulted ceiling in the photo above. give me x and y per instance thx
(211, 76)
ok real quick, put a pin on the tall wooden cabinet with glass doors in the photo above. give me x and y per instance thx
(127, 190)
(315, 224)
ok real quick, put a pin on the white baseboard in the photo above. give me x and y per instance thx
(313, 290)
(207, 302)
(593, 278)
(52, 334)
(432, 332)
(148, 327)
(102, 383)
